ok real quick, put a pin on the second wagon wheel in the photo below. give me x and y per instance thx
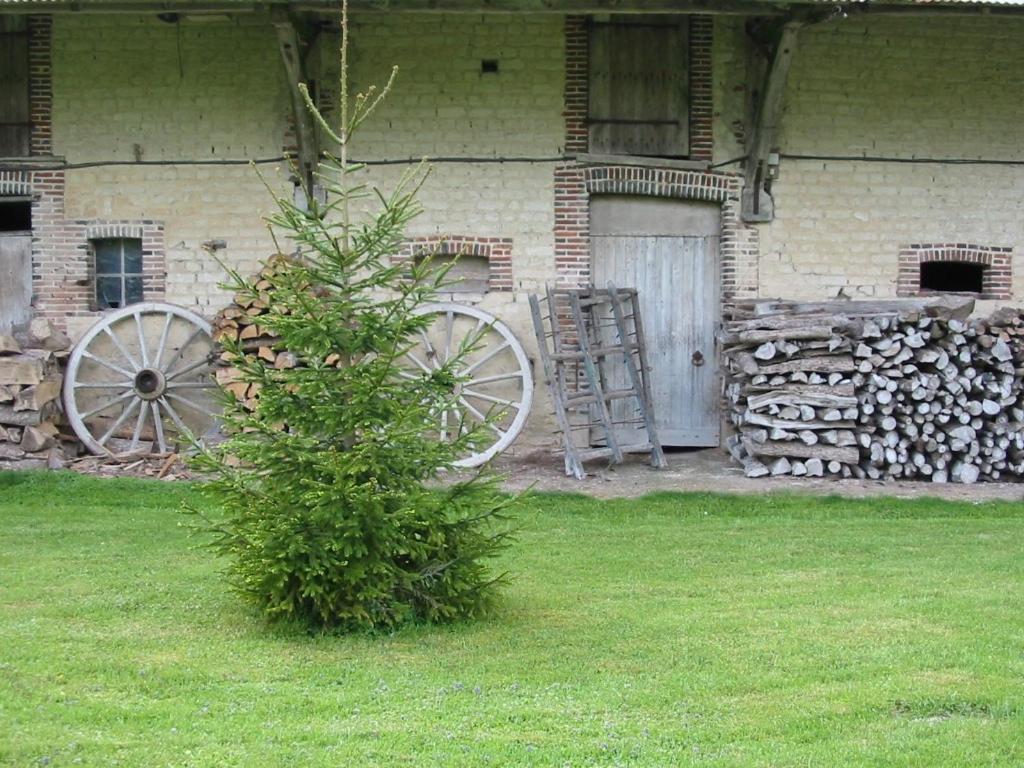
(497, 387)
(139, 378)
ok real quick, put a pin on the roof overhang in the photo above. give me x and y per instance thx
(729, 7)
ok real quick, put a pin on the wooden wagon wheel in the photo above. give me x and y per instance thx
(497, 386)
(140, 377)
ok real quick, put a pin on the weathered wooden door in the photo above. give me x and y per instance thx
(15, 279)
(668, 250)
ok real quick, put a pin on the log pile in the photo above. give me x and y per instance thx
(240, 321)
(31, 363)
(880, 390)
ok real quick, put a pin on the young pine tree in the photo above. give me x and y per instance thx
(332, 512)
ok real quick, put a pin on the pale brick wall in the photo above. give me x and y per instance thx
(130, 87)
(122, 91)
(895, 88)
(443, 106)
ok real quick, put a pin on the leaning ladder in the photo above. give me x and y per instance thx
(592, 348)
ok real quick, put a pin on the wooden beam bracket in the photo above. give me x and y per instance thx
(292, 57)
(757, 203)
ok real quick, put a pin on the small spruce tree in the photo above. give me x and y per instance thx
(332, 512)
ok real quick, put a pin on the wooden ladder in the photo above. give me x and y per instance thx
(592, 348)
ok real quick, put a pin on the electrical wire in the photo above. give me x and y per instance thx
(228, 161)
(62, 166)
(907, 160)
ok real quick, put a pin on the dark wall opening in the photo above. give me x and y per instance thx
(954, 276)
(15, 215)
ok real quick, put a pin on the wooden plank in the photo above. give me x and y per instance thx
(822, 364)
(15, 280)
(797, 449)
(789, 397)
(793, 425)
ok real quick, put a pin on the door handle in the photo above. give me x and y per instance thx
(698, 358)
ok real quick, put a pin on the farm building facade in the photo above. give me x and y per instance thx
(702, 152)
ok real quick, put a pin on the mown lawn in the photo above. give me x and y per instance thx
(671, 630)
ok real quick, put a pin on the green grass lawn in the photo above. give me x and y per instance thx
(670, 630)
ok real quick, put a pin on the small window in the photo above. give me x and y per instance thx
(15, 215)
(118, 270)
(952, 276)
(468, 274)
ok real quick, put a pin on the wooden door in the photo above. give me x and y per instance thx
(15, 119)
(15, 279)
(668, 251)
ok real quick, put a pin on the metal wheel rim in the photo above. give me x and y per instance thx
(145, 394)
(521, 373)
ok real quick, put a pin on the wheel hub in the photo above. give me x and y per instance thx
(150, 384)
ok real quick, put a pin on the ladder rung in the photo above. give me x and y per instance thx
(586, 454)
(585, 398)
(597, 352)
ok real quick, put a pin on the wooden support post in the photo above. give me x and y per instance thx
(757, 203)
(305, 131)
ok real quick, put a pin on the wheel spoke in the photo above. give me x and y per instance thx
(182, 429)
(486, 422)
(101, 408)
(425, 368)
(449, 330)
(444, 425)
(193, 405)
(163, 340)
(101, 384)
(181, 352)
(121, 349)
(490, 398)
(108, 365)
(142, 341)
(158, 424)
(187, 369)
(120, 420)
(431, 352)
(498, 377)
(191, 385)
(138, 426)
(489, 356)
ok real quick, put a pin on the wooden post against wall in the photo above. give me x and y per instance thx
(757, 203)
(305, 131)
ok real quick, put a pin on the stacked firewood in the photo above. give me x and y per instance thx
(877, 390)
(31, 360)
(791, 391)
(942, 399)
(240, 321)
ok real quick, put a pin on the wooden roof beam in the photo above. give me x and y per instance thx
(199, 7)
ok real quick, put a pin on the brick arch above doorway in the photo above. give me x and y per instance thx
(575, 184)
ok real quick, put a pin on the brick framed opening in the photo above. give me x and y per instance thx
(920, 273)
(576, 182)
(497, 251)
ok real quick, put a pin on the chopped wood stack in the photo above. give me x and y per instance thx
(791, 391)
(31, 361)
(905, 389)
(239, 321)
